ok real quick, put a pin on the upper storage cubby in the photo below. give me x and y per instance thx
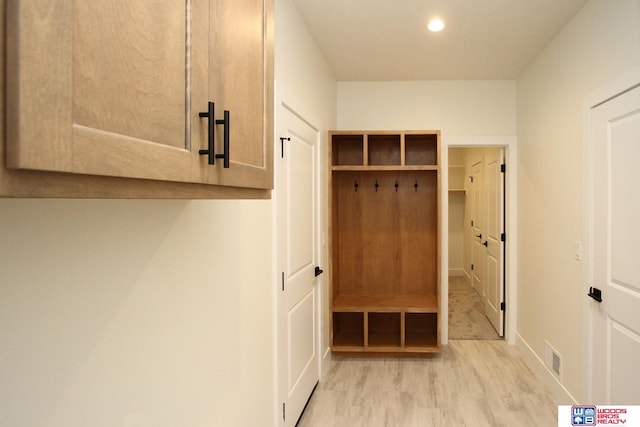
(421, 149)
(385, 150)
(348, 150)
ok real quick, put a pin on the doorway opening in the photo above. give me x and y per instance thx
(477, 256)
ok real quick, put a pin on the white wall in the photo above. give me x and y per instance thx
(302, 74)
(457, 108)
(456, 234)
(148, 313)
(135, 313)
(599, 44)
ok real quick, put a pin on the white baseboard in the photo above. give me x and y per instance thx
(324, 362)
(457, 272)
(540, 370)
(467, 277)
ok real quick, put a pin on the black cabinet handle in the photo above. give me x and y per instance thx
(225, 153)
(486, 244)
(210, 151)
(318, 271)
(479, 236)
(210, 113)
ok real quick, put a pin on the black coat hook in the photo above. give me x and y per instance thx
(282, 140)
(377, 185)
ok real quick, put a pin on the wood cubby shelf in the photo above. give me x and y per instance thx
(348, 150)
(385, 237)
(421, 149)
(348, 329)
(421, 329)
(383, 150)
(423, 303)
(383, 329)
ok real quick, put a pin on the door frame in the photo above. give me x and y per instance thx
(281, 100)
(509, 144)
(602, 94)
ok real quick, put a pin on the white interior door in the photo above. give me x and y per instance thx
(615, 235)
(477, 229)
(297, 230)
(494, 260)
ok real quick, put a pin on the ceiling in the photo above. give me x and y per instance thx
(389, 40)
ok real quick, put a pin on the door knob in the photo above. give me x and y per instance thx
(595, 293)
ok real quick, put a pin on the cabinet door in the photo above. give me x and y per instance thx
(115, 88)
(101, 88)
(240, 80)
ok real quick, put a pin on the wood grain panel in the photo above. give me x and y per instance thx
(380, 243)
(241, 80)
(238, 51)
(385, 239)
(419, 233)
(403, 302)
(38, 85)
(348, 261)
(129, 69)
(67, 51)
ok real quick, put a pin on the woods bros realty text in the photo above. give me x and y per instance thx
(592, 415)
(611, 416)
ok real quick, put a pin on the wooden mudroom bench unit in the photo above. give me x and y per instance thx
(385, 237)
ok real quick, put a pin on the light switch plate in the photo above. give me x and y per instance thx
(577, 246)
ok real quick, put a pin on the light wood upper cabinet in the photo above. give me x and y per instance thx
(116, 89)
(238, 49)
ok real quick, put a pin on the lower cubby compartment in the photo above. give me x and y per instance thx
(348, 329)
(421, 329)
(384, 333)
(384, 329)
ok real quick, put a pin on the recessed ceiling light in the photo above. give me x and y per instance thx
(435, 25)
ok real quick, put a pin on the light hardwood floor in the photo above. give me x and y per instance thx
(467, 318)
(471, 383)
